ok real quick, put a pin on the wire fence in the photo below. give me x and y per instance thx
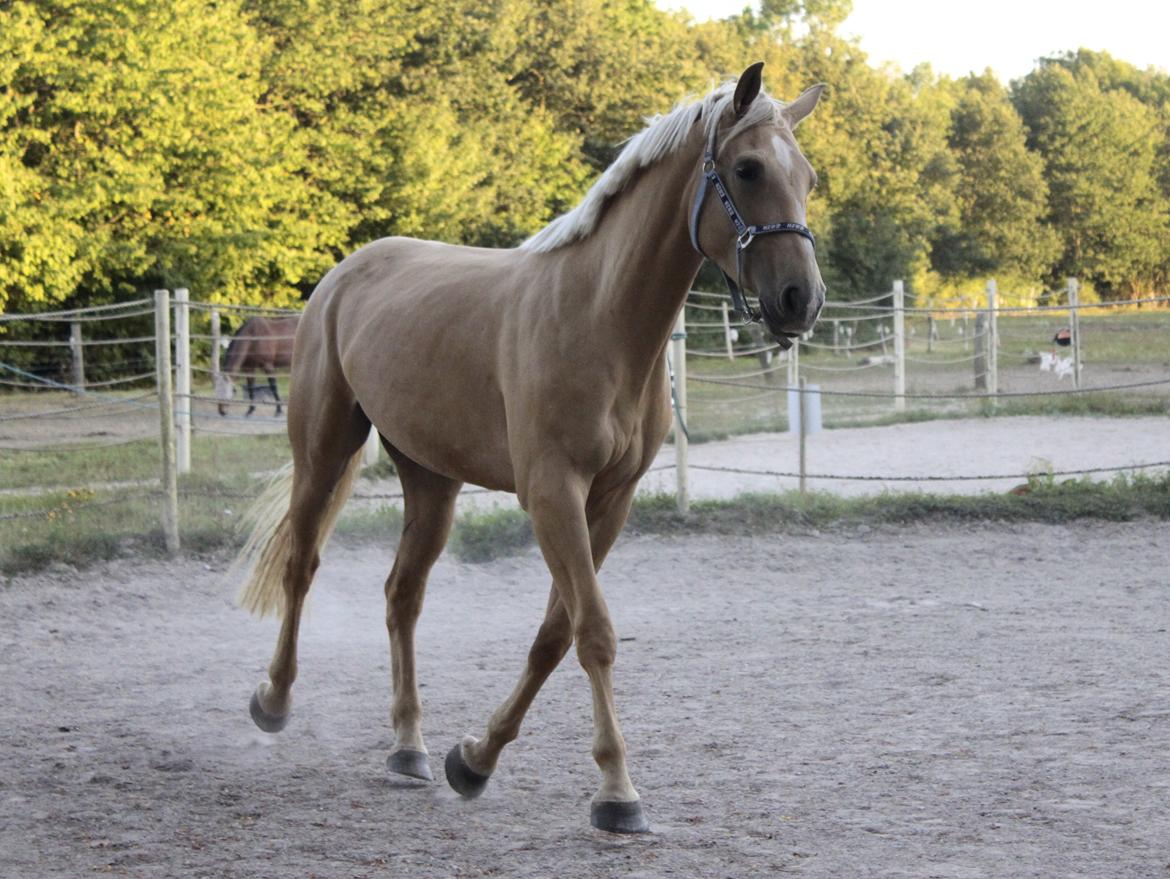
(88, 403)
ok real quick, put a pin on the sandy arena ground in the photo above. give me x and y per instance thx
(923, 702)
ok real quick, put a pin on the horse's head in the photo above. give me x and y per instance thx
(225, 389)
(765, 182)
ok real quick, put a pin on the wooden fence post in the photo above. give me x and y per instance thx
(183, 379)
(215, 343)
(727, 330)
(803, 414)
(678, 345)
(980, 358)
(166, 418)
(77, 355)
(1074, 290)
(992, 340)
(793, 395)
(899, 347)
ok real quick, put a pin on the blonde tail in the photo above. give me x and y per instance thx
(266, 552)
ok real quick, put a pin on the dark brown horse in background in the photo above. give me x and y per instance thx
(262, 344)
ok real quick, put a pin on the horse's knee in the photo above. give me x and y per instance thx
(596, 645)
(551, 644)
(403, 604)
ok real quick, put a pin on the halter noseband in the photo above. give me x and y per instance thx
(745, 234)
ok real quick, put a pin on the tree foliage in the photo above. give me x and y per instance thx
(241, 147)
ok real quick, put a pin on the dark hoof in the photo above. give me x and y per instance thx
(619, 817)
(270, 723)
(464, 780)
(408, 761)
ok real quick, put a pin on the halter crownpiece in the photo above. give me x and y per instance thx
(745, 234)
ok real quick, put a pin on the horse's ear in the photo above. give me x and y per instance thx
(747, 88)
(802, 106)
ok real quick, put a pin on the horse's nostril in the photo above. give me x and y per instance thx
(792, 300)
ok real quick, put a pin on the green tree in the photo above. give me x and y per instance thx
(411, 119)
(152, 160)
(999, 190)
(1100, 150)
(878, 142)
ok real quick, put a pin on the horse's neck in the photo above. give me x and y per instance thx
(638, 264)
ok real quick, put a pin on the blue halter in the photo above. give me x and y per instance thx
(745, 234)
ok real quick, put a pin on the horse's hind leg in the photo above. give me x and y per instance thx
(250, 383)
(325, 448)
(275, 395)
(429, 507)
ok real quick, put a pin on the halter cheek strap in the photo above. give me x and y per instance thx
(745, 234)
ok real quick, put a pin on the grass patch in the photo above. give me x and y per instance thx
(381, 523)
(1105, 404)
(1124, 499)
(219, 457)
(481, 537)
(79, 528)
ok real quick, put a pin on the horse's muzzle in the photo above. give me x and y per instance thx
(792, 312)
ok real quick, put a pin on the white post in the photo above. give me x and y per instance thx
(166, 418)
(678, 356)
(183, 379)
(899, 347)
(992, 342)
(727, 330)
(370, 449)
(77, 353)
(1074, 289)
(215, 343)
(803, 410)
(794, 364)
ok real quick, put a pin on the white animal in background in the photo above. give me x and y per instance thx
(1047, 361)
(1063, 367)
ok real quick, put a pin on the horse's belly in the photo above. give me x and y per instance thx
(459, 438)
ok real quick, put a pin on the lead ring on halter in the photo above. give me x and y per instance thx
(745, 234)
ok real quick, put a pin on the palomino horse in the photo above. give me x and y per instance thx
(538, 370)
(262, 344)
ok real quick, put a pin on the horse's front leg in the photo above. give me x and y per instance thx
(250, 383)
(574, 543)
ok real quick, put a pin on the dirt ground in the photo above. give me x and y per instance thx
(923, 702)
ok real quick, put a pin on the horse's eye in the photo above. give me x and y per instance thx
(749, 170)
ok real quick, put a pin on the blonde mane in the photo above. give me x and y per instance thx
(662, 136)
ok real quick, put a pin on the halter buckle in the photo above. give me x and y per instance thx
(745, 239)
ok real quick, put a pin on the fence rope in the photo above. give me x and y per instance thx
(243, 309)
(972, 396)
(79, 314)
(960, 478)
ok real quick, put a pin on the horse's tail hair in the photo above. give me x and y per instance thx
(266, 553)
